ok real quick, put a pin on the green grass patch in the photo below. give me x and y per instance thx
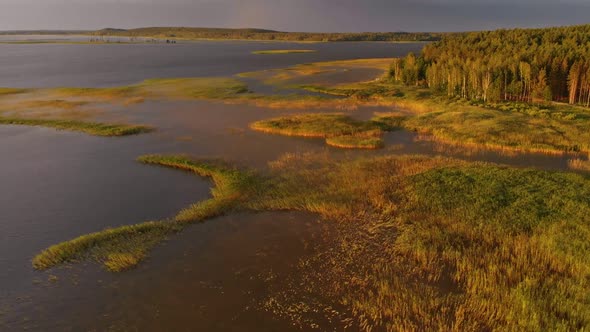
(192, 88)
(92, 128)
(119, 248)
(269, 52)
(355, 142)
(338, 130)
(197, 88)
(11, 91)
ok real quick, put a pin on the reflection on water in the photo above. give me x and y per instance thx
(54, 65)
(211, 277)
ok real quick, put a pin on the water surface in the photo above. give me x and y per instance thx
(55, 65)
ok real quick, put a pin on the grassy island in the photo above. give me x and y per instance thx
(92, 128)
(338, 130)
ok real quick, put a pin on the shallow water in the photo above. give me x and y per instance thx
(219, 130)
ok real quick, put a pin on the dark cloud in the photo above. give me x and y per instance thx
(294, 15)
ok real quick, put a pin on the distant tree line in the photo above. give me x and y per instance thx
(261, 34)
(550, 64)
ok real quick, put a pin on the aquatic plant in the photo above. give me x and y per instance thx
(92, 128)
(123, 247)
(471, 246)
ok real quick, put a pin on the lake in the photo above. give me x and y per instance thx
(56, 65)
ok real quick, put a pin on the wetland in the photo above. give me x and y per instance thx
(203, 186)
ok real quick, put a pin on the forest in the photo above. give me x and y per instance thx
(262, 34)
(527, 65)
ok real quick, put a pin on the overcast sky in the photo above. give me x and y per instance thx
(294, 15)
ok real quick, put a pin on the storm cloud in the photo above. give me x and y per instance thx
(294, 15)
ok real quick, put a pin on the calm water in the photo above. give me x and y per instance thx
(53, 65)
(58, 185)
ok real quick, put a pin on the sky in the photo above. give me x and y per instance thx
(294, 15)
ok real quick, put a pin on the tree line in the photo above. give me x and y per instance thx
(530, 65)
(261, 34)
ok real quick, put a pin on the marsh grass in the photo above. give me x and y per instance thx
(428, 243)
(338, 130)
(441, 244)
(270, 52)
(551, 129)
(195, 88)
(579, 164)
(290, 76)
(11, 91)
(357, 141)
(114, 247)
(56, 103)
(92, 128)
(122, 248)
(545, 128)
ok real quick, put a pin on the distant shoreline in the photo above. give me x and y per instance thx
(190, 34)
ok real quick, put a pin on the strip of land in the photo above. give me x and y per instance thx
(92, 128)
(338, 130)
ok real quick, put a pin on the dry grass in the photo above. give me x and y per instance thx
(11, 91)
(429, 243)
(338, 129)
(92, 128)
(579, 164)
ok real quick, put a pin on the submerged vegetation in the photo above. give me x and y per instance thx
(92, 128)
(338, 129)
(471, 246)
(283, 51)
